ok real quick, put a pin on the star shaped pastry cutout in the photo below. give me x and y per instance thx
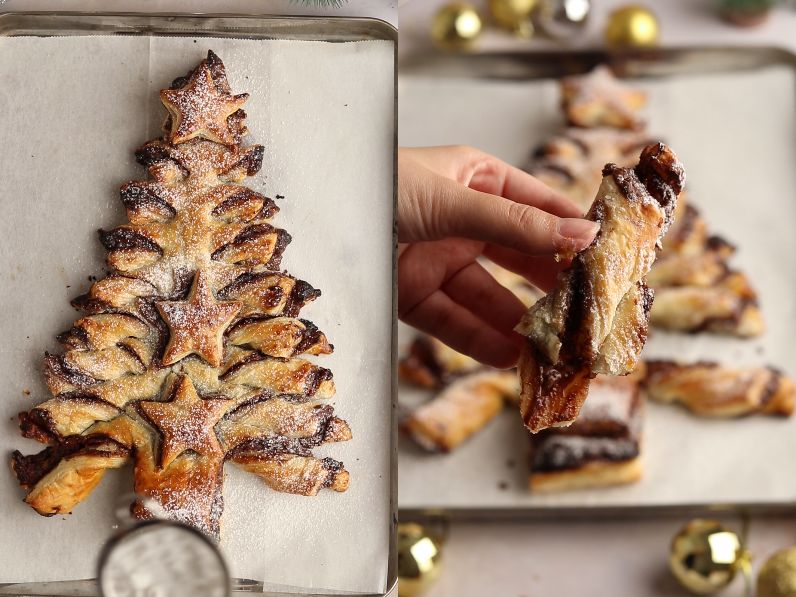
(600, 99)
(201, 109)
(196, 325)
(186, 422)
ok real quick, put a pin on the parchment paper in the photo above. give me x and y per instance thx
(72, 110)
(735, 134)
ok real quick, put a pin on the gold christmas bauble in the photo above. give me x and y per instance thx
(514, 15)
(418, 559)
(456, 26)
(777, 577)
(632, 26)
(705, 556)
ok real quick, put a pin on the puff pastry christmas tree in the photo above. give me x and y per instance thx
(189, 352)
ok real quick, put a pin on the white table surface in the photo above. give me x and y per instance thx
(613, 558)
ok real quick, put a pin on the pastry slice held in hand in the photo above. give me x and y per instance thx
(595, 319)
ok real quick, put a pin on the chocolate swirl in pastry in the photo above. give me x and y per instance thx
(189, 352)
(711, 390)
(601, 448)
(728, 306)
(571, 161)
(595, 319)
(432, 364)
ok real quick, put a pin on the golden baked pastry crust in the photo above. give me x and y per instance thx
(463, 408)
(595, 320)
(711, 390)
(188, 353)
(571, 162)
(601, 448)
(599, 99)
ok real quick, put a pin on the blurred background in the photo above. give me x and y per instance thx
(712, 509)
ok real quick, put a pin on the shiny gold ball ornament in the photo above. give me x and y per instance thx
(562, 19)
(705, 556)
(514, 15)
(418, 559)
(777, 577)
(456, 26)
(632, 26)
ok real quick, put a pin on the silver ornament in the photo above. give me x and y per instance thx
(562, 19)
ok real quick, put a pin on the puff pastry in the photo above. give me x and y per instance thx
(711, 390)
(599, 99)
(189, 353)
(602, 446)
(461, 409)
(595, 319)
(432, 364)
(571, 162)
(728, 306)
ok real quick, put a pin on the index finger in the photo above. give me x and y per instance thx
(485, 173)
(496, 177)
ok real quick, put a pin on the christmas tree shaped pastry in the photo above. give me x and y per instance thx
(190, 352)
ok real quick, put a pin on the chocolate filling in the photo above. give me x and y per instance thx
(32, 468)
(121, 239)
(57, 366)
(136, 196)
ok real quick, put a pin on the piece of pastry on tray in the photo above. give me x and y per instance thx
(598, 98)
(688, 234)
(728, 306)
(188, 355)
(600, 448)
(461, 409)
(571, 161)
(702, 268)
(431, 363)
(595, 319)
(711, 390)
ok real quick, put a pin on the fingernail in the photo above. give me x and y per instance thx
(578, 230)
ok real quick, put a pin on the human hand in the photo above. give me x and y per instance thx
(456, 204)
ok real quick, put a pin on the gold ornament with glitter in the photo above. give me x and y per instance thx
(514, 15)
(632, 26)
(419, 554)
(777, 577)
(456, 27)
(705, 556)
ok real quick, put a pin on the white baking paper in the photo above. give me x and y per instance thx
(735, 133)
(72, 110)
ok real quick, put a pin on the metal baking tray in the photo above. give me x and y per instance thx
(264, 26)
(493, 111)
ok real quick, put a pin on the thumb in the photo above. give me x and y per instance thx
(459, 211)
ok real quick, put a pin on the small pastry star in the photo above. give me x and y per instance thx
(197, 325)
(201, 109)
(600, 99)
(186, 422)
